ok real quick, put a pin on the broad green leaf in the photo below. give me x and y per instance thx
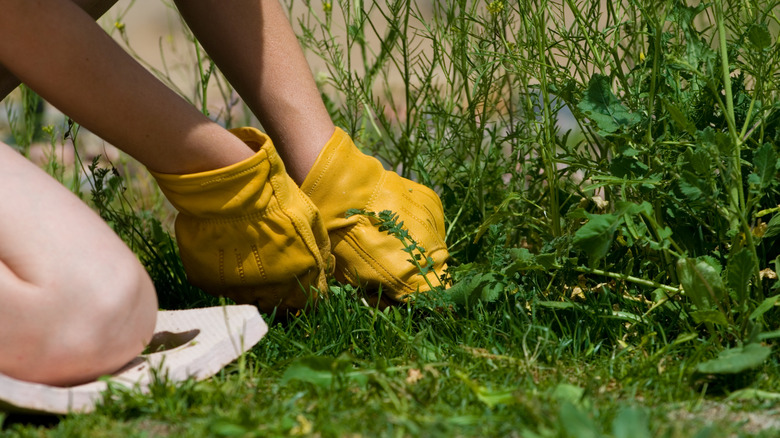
(525, 261)
(699, 159)
(739, 271)
(489, 397)
(701, 282)
(710, 315)
(576, 423)
(773, 227)
(631, 423)
(759, 36)
(692, 186)
(716, 140)
(323, 371)
(764, 307)
(565, 392)
(547, 261)
(316, 369)
(595, 237)
(765, 164)
(736, 360)
(481, 287)
(603, 108)
(632, 208)
(753, 394)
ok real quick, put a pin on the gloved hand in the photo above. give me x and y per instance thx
(247, 232)
(344, 178)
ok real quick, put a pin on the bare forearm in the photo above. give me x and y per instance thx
(59, 51)
(95, 8)
(254, 45)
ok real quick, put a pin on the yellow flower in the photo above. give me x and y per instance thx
(495, 7)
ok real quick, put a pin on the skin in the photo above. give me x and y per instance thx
(75, 301)
(256, 49)
(57, 256)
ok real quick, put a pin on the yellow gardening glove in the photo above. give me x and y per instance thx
(344, 178)
(247, 232)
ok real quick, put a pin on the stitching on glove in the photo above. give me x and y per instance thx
(258, 262)
(221, 270)
(240, 266)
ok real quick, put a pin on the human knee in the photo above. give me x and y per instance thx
(80, 330)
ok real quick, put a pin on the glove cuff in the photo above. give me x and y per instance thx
(247, 232)
(342, 178)
(228, 191)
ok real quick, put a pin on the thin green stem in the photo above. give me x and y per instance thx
(629, 278)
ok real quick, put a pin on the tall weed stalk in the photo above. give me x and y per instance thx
(582, 149)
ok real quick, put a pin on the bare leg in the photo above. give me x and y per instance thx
(95, 8)
(254, 45)
(76, 303)
(103, 88)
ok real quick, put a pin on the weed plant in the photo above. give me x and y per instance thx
(609, 172)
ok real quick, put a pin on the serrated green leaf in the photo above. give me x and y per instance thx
(765, 164)
(692, 186)
(632, 208)
(701, 282)
(759, 36)
(736, 360)
(680, 119)
(525, 261)
(711, 316)
(603, 107)
(718, 141)
(740, 269)
(595, 237)
(773, 227)
(480, 287)
(701, 160)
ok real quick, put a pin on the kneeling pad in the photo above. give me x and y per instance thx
(187, 344)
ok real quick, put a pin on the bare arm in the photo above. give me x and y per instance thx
(254, 45)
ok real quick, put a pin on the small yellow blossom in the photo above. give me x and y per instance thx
(495, 7)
